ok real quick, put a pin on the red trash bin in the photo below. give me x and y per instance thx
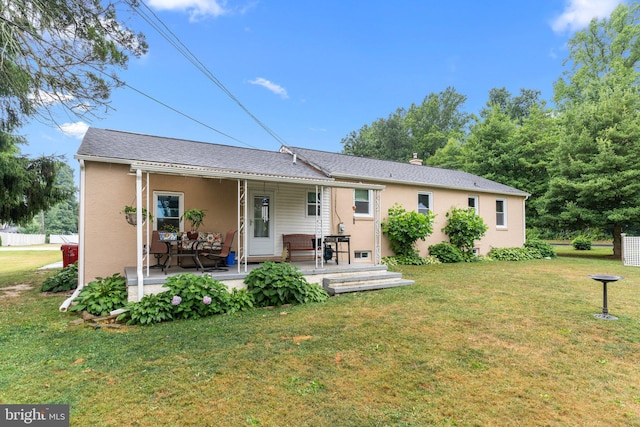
(69, 253)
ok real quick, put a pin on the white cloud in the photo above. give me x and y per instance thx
(578, 13)
(195, 8)
(76, 130)
(273, 87)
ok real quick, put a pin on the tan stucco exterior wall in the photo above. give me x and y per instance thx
(361, 228)
(110, 242)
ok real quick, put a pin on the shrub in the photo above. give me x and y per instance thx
(545, 249)
(241, 300)
(514, 254)
(405, 228)
(102, 296)
(464, 227)
(446, 252)
(277, 283)
(582, 243)
(154, 308)
(409, 260)
(194, 296)
(65, 280)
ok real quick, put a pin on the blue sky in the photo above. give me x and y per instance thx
(315, 71)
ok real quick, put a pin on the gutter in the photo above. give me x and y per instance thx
(65, 305)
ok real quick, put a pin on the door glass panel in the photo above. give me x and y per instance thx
(261, 211)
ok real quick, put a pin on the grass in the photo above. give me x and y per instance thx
(469, 345)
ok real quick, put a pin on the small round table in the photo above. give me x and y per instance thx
(605, 278)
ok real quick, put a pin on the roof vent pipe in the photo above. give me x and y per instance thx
(295, 157)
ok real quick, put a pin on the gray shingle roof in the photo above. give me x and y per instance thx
(110, 145)
(103, 144)
(342, 166)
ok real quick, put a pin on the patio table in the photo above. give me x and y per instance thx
(194, 250)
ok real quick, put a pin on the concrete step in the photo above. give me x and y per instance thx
(339, 285)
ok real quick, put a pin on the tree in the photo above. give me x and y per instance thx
(516, 107)
(63, 217)
(60, 52)
(607, 46)
(27, 186)
(386, 139)
(437, 120)
(596, 166)
(422, 129)
(595, 174)
(54, 54)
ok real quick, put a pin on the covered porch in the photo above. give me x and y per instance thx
(286, 209)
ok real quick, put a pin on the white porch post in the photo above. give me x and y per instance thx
(139, 225)
(377, 231)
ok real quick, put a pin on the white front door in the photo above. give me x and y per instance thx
(262, 217)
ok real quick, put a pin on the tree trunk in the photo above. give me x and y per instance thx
(617, 241)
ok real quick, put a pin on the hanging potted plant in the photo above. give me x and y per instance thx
(130, 214)
(195, 216)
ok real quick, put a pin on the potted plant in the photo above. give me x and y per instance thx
(130, 215)
(195, 216)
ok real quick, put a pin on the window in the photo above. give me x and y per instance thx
(314, 209)
(362, 202)
(501, 213)
(168, 209)
(424, 203)
(362, 255)
(473, 203)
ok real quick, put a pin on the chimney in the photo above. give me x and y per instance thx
(416, 160)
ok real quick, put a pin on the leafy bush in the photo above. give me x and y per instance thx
(154, 308)
(582, 243)
(464, 227)
(543, 247)
(515, 254)
(102, 296)
(65, 280)
(194, 296)
(405, 228)
(241, 300)
(277, 283)
(409, 260)
(446, 252)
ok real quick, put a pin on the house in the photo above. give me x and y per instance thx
(263, 195)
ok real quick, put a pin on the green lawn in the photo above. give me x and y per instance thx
(494, 343)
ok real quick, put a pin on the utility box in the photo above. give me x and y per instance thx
(69, 253)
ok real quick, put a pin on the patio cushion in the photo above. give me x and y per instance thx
(210, 241)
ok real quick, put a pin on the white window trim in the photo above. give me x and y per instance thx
(180, 206)
(428, 193)
(477, 202)
(369, 214)
(307, 204)
(504, 213)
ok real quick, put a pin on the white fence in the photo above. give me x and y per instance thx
(17, 239)
(631, 250)
(63, 238)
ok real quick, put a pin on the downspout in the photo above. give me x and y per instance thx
(81, 209)
(139, 226)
